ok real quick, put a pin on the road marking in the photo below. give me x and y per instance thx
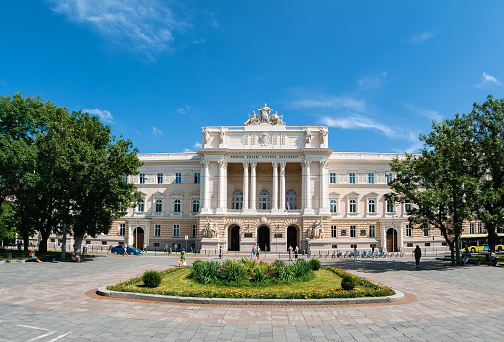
(60, 336)
(43, 335)
(29, 326)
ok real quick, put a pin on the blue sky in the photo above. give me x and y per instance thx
(376, 72)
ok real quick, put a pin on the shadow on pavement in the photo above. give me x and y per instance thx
(378, 265)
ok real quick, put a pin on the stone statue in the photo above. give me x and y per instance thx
(254, 120)
(316, 231)
(308, 136)
(276, 120)
(265, 113)
(210, 230)
(206, 136)
(222, 135)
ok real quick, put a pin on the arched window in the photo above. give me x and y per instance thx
(371, 206)
(352, 206)
(195, 206)
(334, 208)
(292, 199)
(237, 199)
(159, 206)
(264, 200)
(176, 206)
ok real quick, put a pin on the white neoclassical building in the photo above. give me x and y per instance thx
(272, 185)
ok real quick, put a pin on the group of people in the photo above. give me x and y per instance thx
(294, 251)
(256, 251)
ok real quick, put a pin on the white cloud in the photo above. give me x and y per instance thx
(184, 110)
(357, 121)
(422, 37)
(104, 115)
(156, 131)
(488, 80)
(331, 102)
(197, 145)
(145, 26)
(373, 81)
(430, 114)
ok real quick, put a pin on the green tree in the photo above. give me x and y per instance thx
(439, 181)
(488, 134)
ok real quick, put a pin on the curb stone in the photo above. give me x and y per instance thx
(102, 291)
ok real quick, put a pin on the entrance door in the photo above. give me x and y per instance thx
(391, 240)
(263, 238)
(292, 238)
(138, 237)
(234, 238)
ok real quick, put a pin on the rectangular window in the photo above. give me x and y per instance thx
(471, 228)
(334, 246)
(334, 232)
(480, 228)
(160, 178)
(407, 207)
(194, 230)
(427, 244)
(178, 178)
(372, 231)
(343, 232)
(125, 177)
(196, 177)
(156, 244)
(426, 231)
(353, 246)
(351, 178)
(157, 230)
(444, 244)
(352, 232)
(104, 242)
(409, 244)
(363, 232)
(332, 178)
(390, 206)
(389, 177)
(409, 232)
(141, 206)
(122, 229)
(371, 178)
(176, 230)
(142, 178)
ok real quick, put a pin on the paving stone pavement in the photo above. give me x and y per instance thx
(47, 302)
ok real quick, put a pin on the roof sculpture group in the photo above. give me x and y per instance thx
(265, 118)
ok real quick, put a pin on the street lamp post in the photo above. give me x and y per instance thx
(276, 242)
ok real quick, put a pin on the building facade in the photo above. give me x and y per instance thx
(272, 185)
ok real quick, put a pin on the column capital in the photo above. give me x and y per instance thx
(205, 163)
(253, 165)
(324, 163)
(282, 164)
(246, 164)
(306, 163)
(222, 163)
(275, 164)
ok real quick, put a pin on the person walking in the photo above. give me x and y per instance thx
(125, 250)
(418, 255)
(372, 251)
(220, 252)
(296, 253)
(258, 252)
(254, 252)
(145, 247)
(290, 252)
(182, 261)
(355, 254)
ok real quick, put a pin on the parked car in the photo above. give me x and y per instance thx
(130, 250)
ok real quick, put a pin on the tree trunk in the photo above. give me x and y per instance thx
(26, 240)
(76, 256)
(44, 236)
(492, 235)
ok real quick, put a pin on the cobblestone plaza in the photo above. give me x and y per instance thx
(55, 301)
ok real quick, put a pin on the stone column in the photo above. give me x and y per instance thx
(282, 186)
(383, 239)
(308, 199)
(324, 190)
(253, 194)
(204, 188)
(245, 185)
(303, 187)
(275, 187)
(222, 207)
(400, 238)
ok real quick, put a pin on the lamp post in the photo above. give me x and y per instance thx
(393, 232)
(276, 242)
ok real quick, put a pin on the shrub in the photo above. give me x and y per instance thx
(315, 264)
(232, 272)
(259, 277)
(348, 283)
(205, 272)
(152, 278)
(278, 263)
(302, 268)
(284, 273)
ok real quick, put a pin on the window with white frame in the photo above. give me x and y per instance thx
(372, 231)
(157, 230)
(334, 232)
(409, 231)
(390, 206)
(122, 229)
(142, 178)
(425, 230)
(292, 199)
(194, 230)
(178, 178)
(177, 205)
(141, 206)
(471, 228)
(264, 199)
(352, 231)
(371, 206)
(195, 206)
(237, 199)
(176, 230)
(407, 206)
(159, 206)
(125, 178)
(332, 177)
(389, 177)
(351, 177)
(333, 206)
(196, 177)
(370, 178)
(480, 228)
(352, 206)
(160, 178)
